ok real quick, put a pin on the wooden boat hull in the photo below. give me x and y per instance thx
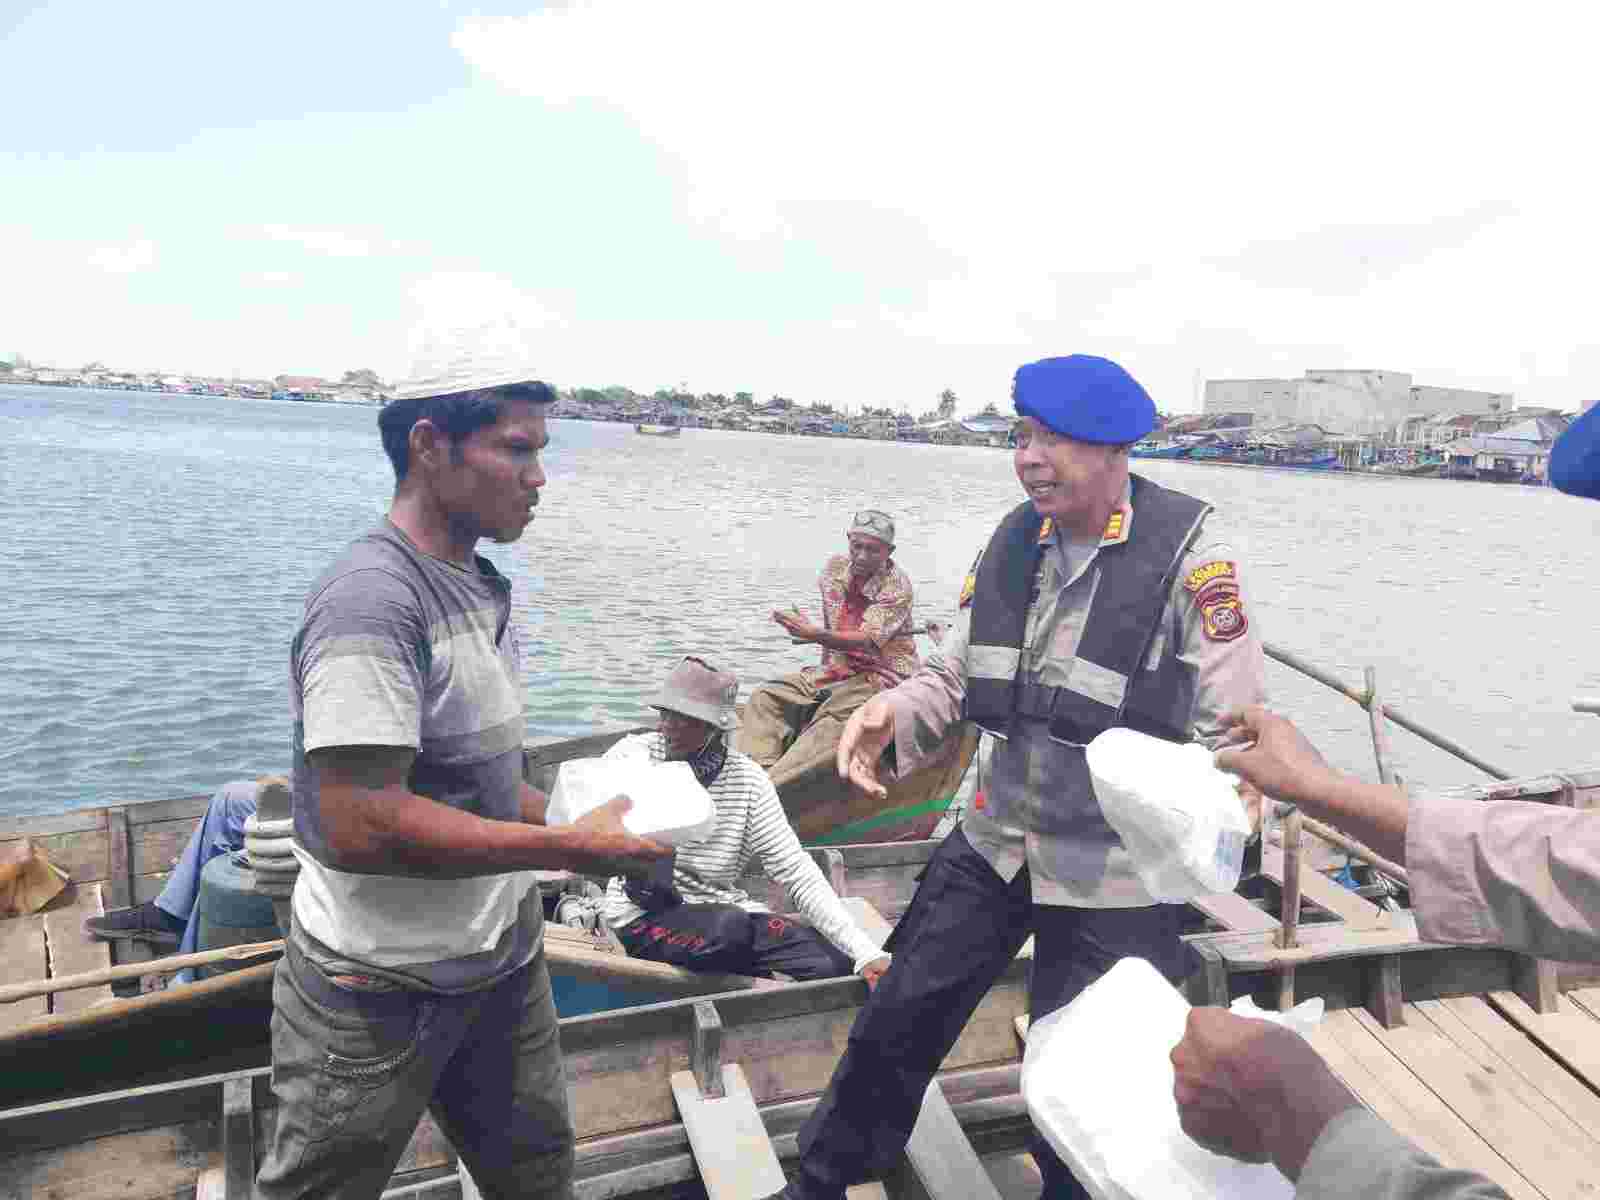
(659, 430)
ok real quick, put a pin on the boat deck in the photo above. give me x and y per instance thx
(48, 945)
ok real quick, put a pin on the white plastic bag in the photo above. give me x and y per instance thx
(1180, 818)
(669, 805)
(1098, 1083)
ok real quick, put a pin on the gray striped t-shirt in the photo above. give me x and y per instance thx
(398, 648)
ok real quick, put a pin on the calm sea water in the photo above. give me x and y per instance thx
(155, 550)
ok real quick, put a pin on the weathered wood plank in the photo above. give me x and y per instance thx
(1385, 1000)
(119, 859)
(1568, 1033)
(238, 1139)
(730, 1144)
(157, 844)
(1543, 1145)
(82, 854)
(150, 1164)
(1319, 943)
(73, 821)
(1412, 1108)
(73, 951)
(707, 1049)
(1466, 1017)
(1357, 913)
(23, 958)
(940, 1159)
(1235, 914)
(182, 808)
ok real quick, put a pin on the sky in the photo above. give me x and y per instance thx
(853, 203)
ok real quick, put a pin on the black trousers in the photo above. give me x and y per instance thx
(724, 937)
(964, 926)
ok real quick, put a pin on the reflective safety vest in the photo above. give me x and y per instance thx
(1105, 685)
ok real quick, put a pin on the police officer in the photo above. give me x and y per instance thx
(1102, 600)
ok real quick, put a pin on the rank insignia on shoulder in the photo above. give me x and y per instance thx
(1118, 527)
(969, 585)
(1047, 529)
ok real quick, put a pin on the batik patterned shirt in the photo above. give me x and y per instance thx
(879, 608)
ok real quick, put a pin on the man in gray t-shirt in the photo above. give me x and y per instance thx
(413, 975)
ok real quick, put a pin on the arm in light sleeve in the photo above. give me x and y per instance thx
(927, 707)
(1230, 669)
(1357, 1154)
(890, 612)
(775, 843)
(360, 662)
(1505, 873)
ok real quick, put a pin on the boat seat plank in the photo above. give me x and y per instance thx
(941, 1157)
(1524, 1128)
(1569, 1033)
(23, 959)
(1357, 912)
(1413, 1108)
(1235, 914)
(1015, 1176)
(1587, 999)
(731, 1149)
(1318, 943)
(73, 951)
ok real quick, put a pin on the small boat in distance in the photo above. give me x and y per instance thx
(667, 426)
(1151, 449)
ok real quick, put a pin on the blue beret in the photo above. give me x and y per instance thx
(1575, 458)
(1084, 397)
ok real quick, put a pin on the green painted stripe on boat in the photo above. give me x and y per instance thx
(852, 832)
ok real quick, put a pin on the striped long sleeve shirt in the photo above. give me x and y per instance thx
(750, 825)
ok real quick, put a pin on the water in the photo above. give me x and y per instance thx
(155, 550)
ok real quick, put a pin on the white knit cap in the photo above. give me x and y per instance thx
(449, 357)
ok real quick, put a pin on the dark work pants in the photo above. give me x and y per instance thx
(964, 926)
(724, 937)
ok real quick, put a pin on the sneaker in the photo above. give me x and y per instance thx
(147, 922)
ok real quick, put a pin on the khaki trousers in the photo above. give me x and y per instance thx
(788, 732)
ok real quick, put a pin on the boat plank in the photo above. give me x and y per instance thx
(730, 1145)
(73, 951)
(1235, 914)
(1569, 1033)
(72, 821)
(23, 959)
(155, 845)
(1544, 1146)
(150, 1164)
(1415, 1110)
(81, 854)
(940, 1157)
(1471, 1015)
(1355, 911)
(1587, 999)
(148, 812)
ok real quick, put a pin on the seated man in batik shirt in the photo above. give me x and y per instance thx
(791, 725)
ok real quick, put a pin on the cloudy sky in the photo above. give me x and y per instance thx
(852, 202)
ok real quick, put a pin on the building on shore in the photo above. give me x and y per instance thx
(1362, 402)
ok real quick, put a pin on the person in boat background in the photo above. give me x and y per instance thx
(413, 974)
(791, 725)
(171, 920)
(690, 910)
(1511, 873)
(1102, 599)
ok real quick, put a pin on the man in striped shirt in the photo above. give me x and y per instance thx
(692, 913)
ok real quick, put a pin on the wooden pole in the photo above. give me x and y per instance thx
(1380, 740)
(1299, 664)
(1289, 917)
(586, 963)
(1357, 849)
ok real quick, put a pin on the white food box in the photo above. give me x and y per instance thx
(669, 805)
(1098, 1083)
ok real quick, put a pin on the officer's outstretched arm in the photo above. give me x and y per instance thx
(867, 734)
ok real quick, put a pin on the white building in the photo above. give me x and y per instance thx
(1346, 401)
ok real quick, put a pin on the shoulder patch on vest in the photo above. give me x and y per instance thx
(1118, 527)
(1215, 589)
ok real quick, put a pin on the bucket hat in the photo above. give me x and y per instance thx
(697, 689)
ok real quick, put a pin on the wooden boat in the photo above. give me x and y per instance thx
(658, 430)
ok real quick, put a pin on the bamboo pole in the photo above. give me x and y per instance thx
(1357, 849)
(1297, 663)
(1380, 741)
(603, 965)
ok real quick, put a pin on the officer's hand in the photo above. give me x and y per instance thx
(1253, 1090)
(867, 734)
(874, 971)
(603, 845)
(1270, 754)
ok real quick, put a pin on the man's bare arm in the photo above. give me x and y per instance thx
(534, 805)
(376, 825)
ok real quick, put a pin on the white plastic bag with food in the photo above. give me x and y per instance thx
(669, 805)
(1180, 818)
(1098, 1082)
